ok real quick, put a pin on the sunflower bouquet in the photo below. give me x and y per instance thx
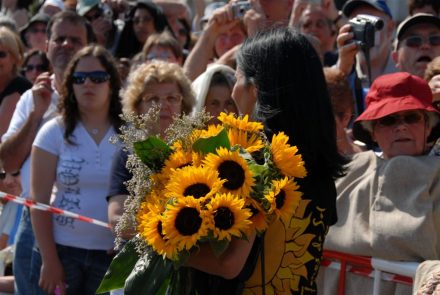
(202, 184)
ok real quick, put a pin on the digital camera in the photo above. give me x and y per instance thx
(364, 29)
(239, 8)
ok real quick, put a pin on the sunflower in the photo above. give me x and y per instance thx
(213, 130)
(228, 217)
(285, 158)
(184, 223)
(284, 198)
(234, 169)
(240, 123)
(150, 229)
(251, 142)
(176, 160)
(258, 215)
(198, 182)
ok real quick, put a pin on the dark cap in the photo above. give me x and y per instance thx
(380, 5)
(419, 18)
(40, 17)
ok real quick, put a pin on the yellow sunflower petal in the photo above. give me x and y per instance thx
(234, 169)
(228, 217)
(285, 157)
(243, 123)
(198, 182)
(251, 142)
(184, 223)
(284, 198)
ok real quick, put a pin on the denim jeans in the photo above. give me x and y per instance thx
(83, 269)
(24, 243)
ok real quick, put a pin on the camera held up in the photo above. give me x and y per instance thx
(239, 8)
(364, 29)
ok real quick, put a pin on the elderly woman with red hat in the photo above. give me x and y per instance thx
(388, 204)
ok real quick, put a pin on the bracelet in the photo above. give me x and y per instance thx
(338, 18)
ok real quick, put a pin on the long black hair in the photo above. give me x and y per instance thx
(292, 96)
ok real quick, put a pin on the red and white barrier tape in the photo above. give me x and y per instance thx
(45, 207)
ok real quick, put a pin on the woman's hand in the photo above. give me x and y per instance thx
(52, 276)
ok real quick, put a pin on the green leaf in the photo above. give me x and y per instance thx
(218, 247)
(148, 275)
(210, 144)
(119, 269)
(153, 152)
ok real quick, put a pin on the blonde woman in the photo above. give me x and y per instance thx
(155, 83)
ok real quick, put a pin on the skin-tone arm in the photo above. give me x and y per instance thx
(199, 10)
(16, 149)
(347, 50)
(115, 211)
(43, 172)
(7, 108)
(203, 52)
(229, 264)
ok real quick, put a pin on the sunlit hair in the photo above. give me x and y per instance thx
(12, 43)
(155, 73)
(68, 106)
(164, 39)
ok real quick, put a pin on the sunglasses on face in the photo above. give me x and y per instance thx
(3, 54)
(417, 41)
(393, 120)
(3, 174)
(96, 77)
(38, 68)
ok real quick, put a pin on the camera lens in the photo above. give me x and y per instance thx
(379, 24)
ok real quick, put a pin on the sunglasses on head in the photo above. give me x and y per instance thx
(393, 120)
(3, 174)
(96, 77)
(417, 41)
(3, 54)
(38, 68)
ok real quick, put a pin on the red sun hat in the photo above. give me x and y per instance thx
(391, 94)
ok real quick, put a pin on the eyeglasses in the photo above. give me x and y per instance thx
(417, 41)
(3, 54)
(393, 120)
(96, 77)
(3, 174)
(160, 56)
(171, 99)
(37, 30)
(38, 68)
(142, 19)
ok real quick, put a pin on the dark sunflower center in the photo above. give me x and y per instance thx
(184, 165)
(233, 173)
(188, 221)
(280, 199)
(223, 218)
(197, 190)
(159, 229)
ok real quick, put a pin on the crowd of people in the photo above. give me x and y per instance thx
(355, 87)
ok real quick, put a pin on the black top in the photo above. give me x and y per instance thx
(18, 84)
(119, 175)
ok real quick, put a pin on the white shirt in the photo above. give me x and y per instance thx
(82, 181)
(22, 111)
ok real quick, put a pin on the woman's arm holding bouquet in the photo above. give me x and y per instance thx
(229, 264)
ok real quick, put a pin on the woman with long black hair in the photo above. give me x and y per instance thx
(280, 81)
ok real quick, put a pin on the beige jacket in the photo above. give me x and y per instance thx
(388, 209)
